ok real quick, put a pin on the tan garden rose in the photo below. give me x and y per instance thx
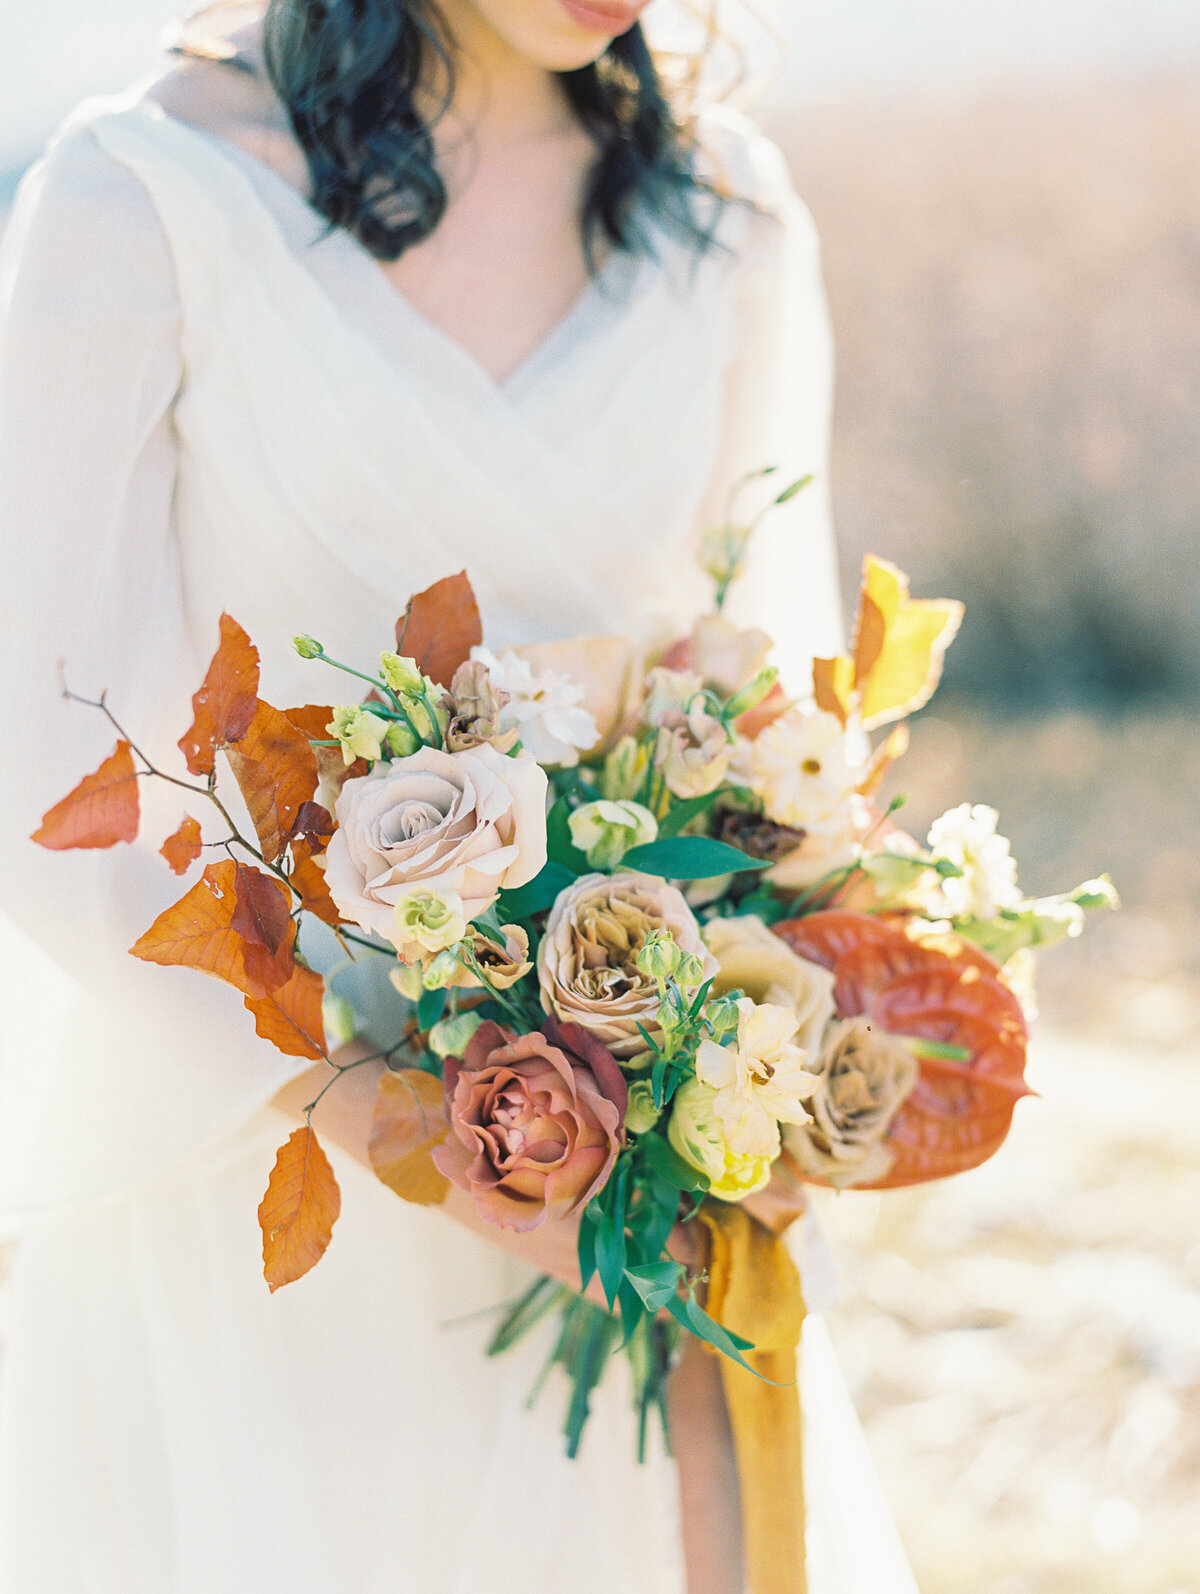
(587, 961)
(458, 825)
(536, 1122)
(752, 959)
(865, 1075)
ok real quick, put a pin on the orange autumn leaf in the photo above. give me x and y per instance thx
(102, 810)
(942, 990)
(183, 848)
(899, 644)
(299, 1210)
(308, 878)
(440, 627)
(224, 705)
(409, 1122)
(262, 918)
(197, 932)
(290, 1017)
(276, 771)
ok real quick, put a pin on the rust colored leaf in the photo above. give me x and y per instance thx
(197, 932)
(440, 627)
(262, 918)
(299, 1210)
(102, 810)
(409, 1123)
(224, 705)
(308, 878)
(870, 633)
(942, 990)
(290, 1017)
(313, 824)
(276, 770)
(183, 848)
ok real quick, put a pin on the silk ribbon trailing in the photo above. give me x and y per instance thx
(754, 1291)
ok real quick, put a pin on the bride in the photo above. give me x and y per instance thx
(366, 292)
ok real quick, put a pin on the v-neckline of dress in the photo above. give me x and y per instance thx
(619, 277)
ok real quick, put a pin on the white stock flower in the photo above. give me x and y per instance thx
(966, 836)
(544, 708)
(760, 1078)
(800, 768)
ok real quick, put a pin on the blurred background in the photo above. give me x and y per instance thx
(1009, 197)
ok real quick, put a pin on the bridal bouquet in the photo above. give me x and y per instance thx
(663, 956)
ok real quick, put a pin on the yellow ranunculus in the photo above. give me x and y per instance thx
(698, 1135)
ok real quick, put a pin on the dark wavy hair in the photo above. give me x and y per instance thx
(349, 73)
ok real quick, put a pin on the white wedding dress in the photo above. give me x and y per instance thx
(207, 402)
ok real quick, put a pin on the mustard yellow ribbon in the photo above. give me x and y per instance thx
(754, 1291)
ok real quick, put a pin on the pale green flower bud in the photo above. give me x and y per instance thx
(722, 1015)
(641, 1114)
(360, 732)
(401, 739)
(606, 831)
(691, 972)
(307, 647)
(338, 1016)
(624, 769)
(442, 972)
(452, 1036)
(402, 675)
(722, 551)
(660, 956)
(752, 694)
(407, 978)
(429, 722)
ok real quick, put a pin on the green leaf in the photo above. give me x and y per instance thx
(682, 813)
(656, 1283)
(536, 897)
(689, 858)
(430, 1008)
(796, 487)
(610, 1237)
(538, 1302)
(694, 1318)
(560, 848)
(588, 1225)
(665, 1160)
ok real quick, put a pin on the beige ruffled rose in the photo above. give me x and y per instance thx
(864, 1076)
(587, 961)
(726, 656)
(752, 959)
(457, 825)
(503, 963)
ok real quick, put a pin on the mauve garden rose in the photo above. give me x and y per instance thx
(461, 825)
(536, 1122)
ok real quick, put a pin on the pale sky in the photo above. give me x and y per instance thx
(57, 51)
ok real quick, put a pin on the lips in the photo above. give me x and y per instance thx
(608, 17)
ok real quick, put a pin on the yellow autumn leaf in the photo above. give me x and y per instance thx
(833, 685)
(899, 644)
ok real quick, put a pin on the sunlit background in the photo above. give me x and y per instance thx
(1009, 196)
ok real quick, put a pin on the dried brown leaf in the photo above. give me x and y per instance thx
(276, 770)
(299, 1210)
(224, 705)
(290, 1017)
(183, 848)
(408, 1124)
(440, 627)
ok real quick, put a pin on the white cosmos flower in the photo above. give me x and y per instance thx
(800, 768)
(760, 1078)
(543, 708)
(967, 836)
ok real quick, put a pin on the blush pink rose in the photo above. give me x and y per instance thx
(536, 1122)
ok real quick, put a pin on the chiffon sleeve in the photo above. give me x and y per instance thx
(111, 1069)
(778, 409)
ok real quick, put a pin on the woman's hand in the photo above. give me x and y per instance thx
(344, 1118)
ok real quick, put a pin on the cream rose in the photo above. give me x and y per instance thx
(752, 958)
(863, 1075)
(461, 825)
(587, 961)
